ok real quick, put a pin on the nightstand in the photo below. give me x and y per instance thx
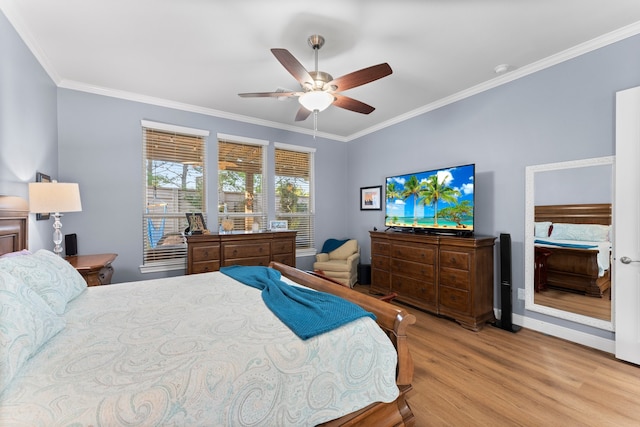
(95, 269)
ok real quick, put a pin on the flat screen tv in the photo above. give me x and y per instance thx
(434, 201)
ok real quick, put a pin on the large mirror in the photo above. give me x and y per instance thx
(567, 240)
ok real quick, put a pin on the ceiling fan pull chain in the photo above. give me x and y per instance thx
(315, 123)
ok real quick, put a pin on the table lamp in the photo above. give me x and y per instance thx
(54, 198)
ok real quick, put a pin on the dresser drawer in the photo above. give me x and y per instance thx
(263, 261)
(423, 292)
(205, 252)
(380, 278)
(455, 299)
(205, 266)
(282, 247)
(455, 259)
(416, 270)
(380, 263)
(455, 278)
(287, 259)
(380, 248)
(417, 253)
(246, 250)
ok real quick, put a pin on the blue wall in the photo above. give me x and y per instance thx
(28, 124)
(565, 112)
(100, 143)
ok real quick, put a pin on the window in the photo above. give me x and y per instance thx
(294, 191)
(174, 183)
(241, 195)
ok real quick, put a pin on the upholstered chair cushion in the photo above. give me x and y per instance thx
(344, 251)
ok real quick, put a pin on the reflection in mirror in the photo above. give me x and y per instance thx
(567, 240)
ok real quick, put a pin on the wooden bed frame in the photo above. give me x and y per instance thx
(393, 320)
(571, 268)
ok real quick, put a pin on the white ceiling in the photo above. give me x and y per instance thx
(199, 54)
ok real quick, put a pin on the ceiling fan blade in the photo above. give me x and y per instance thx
(268, 94)
(360, 77)
(352, 104)
(302, 114)
(293, 66)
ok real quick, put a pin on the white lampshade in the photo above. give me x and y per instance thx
(52, 197)
(316, 100)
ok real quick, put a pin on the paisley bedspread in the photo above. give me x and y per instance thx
(195, 350)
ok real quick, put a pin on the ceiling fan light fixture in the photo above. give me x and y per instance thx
(316, 100)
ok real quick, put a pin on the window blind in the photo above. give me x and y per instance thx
(174, 184)
(293, 192)
(241, 196)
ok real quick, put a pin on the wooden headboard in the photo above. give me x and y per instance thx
(591, 213)
(14, 213)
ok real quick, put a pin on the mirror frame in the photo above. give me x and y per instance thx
(529, 303)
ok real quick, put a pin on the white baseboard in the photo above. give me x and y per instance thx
(568, 334)
(562, 332)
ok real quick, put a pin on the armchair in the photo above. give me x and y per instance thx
(340, 264)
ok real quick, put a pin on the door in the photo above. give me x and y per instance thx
(626, 268)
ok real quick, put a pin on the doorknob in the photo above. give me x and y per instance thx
(627, 260)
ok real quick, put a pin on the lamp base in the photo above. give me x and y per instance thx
(57, 234)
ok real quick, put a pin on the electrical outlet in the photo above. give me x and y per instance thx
(520, 293)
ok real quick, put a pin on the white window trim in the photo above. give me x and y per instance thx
(242, 139)
(290, 147)
(173, 128)
(178, 264)
(312, 208)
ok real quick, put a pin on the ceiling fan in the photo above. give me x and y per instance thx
(319, 89)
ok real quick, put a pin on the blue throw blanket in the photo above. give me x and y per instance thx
(565, 245)
(332, 245)
(306, 312)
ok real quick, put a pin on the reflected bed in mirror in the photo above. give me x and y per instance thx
(567, 242)
(572, 251)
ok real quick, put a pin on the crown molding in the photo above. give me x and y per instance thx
(550, 61)
(6, 6)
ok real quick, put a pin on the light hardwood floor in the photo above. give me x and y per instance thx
(498, 378)
(600, 308)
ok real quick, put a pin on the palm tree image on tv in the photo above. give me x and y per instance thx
(412, 189)
(435, 190)
(438, 199)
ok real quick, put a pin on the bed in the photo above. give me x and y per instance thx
(149, 353)
(573, 248)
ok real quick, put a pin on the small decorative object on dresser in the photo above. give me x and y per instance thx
(278, 225)
(197, 225)
(95, 269)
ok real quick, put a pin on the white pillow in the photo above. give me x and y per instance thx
(583, 232)
(26, 323)
(542, 229)
(49, 275)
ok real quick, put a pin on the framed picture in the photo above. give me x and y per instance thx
(370, 198)
(196, 223)
(278, 225)
(40, 177)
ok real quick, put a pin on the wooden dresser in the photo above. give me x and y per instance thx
(209, 252)
(445, 275)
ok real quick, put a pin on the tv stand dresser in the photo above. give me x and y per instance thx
(446, 275)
